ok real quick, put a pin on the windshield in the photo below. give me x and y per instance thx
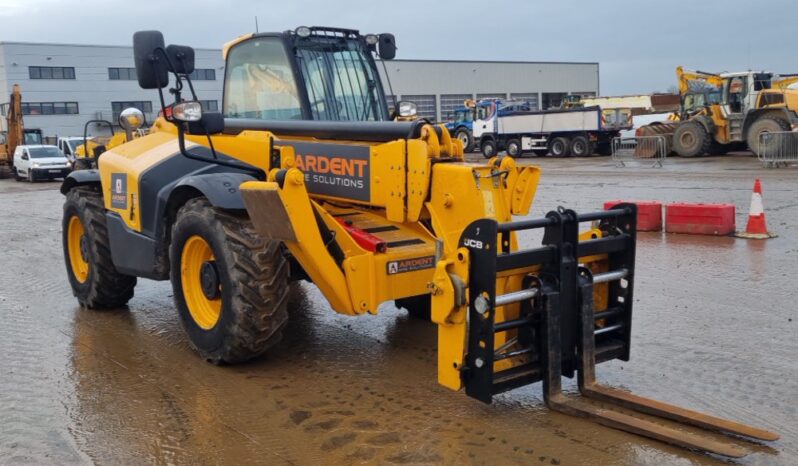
(44, 152)
(259, 82)
(340, 82)
(74, 143)
(463, 115)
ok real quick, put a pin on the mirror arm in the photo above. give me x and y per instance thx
(181, 141)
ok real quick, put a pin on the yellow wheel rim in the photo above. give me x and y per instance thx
(203, 310)
(77, 254)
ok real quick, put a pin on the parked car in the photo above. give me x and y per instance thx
(68, 145)
(37, 162)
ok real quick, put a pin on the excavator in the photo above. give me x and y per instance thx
(233, 207)
(727, 109)
(15, 133)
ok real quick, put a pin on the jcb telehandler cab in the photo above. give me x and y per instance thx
(231, 207)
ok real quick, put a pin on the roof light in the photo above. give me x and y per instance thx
(372, 39)
(303, 31)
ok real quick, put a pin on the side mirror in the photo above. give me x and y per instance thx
(151, 67)
(181, 58)
(24, 156)
(387, 46)
(209, 123)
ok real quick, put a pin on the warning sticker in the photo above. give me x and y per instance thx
(119, 190)
(411, 265)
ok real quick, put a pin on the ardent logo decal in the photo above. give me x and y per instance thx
(335, 170)
(411, 265)
(119, 190)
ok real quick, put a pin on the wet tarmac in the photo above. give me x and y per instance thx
(716, 329)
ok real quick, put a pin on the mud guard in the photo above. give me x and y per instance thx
(80, 178)
(221, 189)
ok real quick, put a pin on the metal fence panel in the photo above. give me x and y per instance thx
(778, 149)
(639, 149)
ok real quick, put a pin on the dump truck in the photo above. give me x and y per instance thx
(460, 124)
(15, 133)
(233, 207)
(572, 130)
(727, 110)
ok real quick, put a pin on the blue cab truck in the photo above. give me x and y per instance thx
(461, 123)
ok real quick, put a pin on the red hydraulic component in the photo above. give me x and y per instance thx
(365, 239)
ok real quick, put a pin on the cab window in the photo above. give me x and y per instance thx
(259, 82)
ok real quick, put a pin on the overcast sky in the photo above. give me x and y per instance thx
(638, 43)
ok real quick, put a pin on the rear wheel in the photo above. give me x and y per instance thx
(560, 147)
(488, 148)
(230, 283)
(691, 139)
(580, 146)
(765, 125)
(465, 137)
(87, 253)
(514, 148)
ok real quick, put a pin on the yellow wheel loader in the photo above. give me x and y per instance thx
(232, 207)
(728, 109)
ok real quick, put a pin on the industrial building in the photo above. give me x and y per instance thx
(65, 85)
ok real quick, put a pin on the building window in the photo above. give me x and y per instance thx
(531, 97)
(122, 74)
(425, 105)
(492, 95)
(203, 74)
(51, 72)
(553, 99)
(50, 108)
(117, 107)
(209, 105)
(451, 102)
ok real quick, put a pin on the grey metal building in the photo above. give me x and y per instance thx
(65, 85)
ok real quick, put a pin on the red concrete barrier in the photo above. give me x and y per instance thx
(700, 219)
(649, 214)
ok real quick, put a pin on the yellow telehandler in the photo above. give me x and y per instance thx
(233, 206)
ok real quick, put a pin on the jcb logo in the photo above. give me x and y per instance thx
(472, 243)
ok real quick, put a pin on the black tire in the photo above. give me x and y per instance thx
(580, 146)
(17, 177)
(514, 148)
(419, 307)
(251, 275)
(488, 148)
(560, 147)
(763, 125)
(464, 136)
(691, 139)
(104, 287)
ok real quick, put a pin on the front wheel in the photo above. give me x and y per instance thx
(464, 136)
(514, 148)
(230, 283)
(87, 253)
(488, 148)
(17, 176)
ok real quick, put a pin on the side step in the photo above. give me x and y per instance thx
(559, 332)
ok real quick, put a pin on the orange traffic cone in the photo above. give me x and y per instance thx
(757, 227)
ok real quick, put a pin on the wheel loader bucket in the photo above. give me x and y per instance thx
(644, 151)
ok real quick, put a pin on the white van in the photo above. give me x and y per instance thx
(38, 162)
